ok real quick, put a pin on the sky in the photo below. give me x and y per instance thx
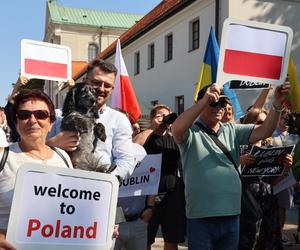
(26, 19)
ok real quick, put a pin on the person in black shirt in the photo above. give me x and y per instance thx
(169, 211)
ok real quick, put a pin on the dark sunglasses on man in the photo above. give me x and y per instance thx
(223, 101)
(38, 114)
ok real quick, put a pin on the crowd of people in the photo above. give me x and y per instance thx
(203, 152)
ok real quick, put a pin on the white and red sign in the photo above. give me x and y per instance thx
(45, 60)
(253, 51)
(144, 179)
(123, 96)
(58, 208)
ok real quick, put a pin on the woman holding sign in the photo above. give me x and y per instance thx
(261, 187)
(33, 115)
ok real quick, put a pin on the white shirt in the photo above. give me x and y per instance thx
(117, 147)
(15, 159)
(3, 140)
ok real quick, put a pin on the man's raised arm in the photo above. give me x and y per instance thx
(187, 118)
(270, 124)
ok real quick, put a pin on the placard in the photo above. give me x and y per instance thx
(45, 61)
(144, 179)
(254, 51)
(60, 208)
(248, 85)
(268, 161)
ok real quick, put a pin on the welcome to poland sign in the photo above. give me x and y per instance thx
(58, 208)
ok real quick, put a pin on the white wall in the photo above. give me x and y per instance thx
(178, 76)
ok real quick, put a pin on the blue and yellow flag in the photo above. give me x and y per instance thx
(208, 74)
(294, 97)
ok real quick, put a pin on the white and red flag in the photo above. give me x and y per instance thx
(254, 52)
(123, 96)
(45, 60)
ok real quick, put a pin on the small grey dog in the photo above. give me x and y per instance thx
(80, 113)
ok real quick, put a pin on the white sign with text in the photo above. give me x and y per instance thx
(58, 208)
(144, 179)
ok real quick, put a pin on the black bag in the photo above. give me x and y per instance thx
(250, 207)
(167, 183)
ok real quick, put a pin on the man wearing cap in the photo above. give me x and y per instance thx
(213, 188)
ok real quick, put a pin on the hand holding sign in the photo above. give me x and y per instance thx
(281, 94)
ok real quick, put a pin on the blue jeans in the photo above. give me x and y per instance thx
(213, 233)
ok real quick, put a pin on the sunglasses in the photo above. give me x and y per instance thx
(220, 103)
(38, 114)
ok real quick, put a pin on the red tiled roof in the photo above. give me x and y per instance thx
(154, 17)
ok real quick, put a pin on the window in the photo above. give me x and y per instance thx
(180, 104)
(151, 56)
(92, 51)
(194, 35)
(168, 47)
(137, 63)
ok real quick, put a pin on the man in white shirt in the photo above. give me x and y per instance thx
(117, 147)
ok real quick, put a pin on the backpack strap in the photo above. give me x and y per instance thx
(61, 155)
(4, 158)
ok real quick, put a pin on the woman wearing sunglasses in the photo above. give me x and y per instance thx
(33, 115)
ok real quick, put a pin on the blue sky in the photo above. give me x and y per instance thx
(26, 19)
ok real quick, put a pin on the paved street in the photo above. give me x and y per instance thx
(290, 229)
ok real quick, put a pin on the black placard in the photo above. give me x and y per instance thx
(268, 161)
(248, 85)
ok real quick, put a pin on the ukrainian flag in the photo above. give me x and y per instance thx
(294, 97)
(208, 74)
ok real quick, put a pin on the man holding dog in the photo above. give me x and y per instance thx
(117, 147)
(212, 185)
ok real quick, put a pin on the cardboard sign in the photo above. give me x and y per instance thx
(144, 179)
(268, 161)
(248, 85)
(45, 61)
(59, 208)
(254, 51)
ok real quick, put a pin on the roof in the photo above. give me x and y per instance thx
(97, 18)
(77, 66)
(156, 16)
(160, 13)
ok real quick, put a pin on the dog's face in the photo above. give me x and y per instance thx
(81, 98)
(85, 96)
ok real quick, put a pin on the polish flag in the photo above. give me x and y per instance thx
(254, 52)
(123, 96)
(45, 60)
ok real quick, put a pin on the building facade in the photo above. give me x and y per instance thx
(87, 32)
(164, 51)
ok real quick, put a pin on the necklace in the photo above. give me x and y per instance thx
(42, 158)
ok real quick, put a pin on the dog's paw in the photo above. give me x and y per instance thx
(99, 132)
